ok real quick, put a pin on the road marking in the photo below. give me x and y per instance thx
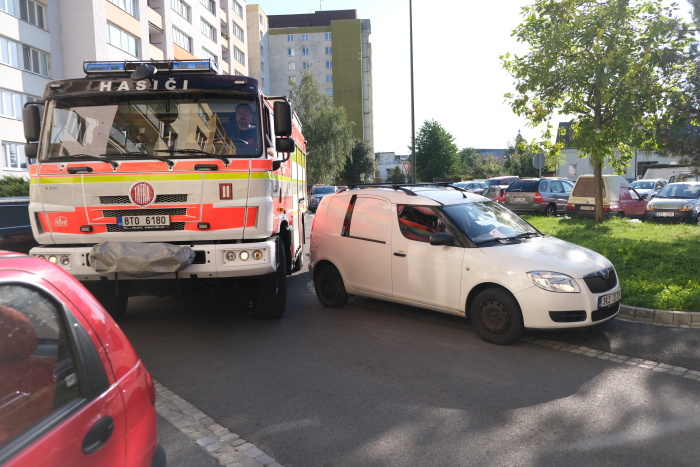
(228, 448)
(617, 358)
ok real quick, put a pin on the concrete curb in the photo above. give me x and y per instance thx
(687, 319)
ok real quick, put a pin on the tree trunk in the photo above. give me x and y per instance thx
(598, 184)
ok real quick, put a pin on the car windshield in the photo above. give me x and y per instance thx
(322, 190)
(643, 185)
(680, 190)
(488, 221)
(115, 127)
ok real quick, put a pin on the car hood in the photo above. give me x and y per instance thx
(547, 254)
(671, 203)
(320, 195)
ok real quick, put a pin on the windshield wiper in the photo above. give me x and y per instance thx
(153, 156)
(100, 158)
(222, 158)
(529, 235)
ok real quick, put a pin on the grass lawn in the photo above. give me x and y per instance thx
(658, 264)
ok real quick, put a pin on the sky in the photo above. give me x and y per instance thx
(458, 76)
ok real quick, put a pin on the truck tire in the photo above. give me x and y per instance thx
(270, 294)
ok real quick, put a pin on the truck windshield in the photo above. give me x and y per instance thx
(182, 126)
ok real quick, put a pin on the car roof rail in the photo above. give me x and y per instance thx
(405, 187)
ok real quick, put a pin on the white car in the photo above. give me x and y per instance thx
(440, 248)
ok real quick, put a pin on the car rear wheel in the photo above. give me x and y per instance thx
(270, 294)
(550, 211)
(496, 316)
(330, 289)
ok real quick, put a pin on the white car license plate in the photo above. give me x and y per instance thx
(664, 214)
(519, 200)
(143, 222)
(609, 299)
(587, 208)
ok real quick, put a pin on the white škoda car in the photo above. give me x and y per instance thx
(441, 248)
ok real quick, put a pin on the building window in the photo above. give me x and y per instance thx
(329, 92)
(238, 55)
(237, 8)
(11, 103)
(329, 78)
(209, 5)
(290, 52)
(328, 36)
(290, 37)
(329, 64)
(291, 66)
(31, 12)
(23, 57)
(238, 32)
(305, 51)
(123, 40)
(306, 65)
(208, 30)
(127, 5)
(182, 39)
(14, 155)
(182, 9)
(329, 50)
(210, 55)
(305, 38)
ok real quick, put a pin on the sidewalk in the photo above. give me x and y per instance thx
(688, 319)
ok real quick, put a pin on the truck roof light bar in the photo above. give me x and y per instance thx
(162, 66)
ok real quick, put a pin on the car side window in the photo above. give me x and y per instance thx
(544, 186)
(370, 219)
(38, 372)
(418, 222)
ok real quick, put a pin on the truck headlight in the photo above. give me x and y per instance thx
(553, 281)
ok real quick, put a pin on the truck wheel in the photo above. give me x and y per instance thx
(496, 316)
(330, 289)
(115, 304)
(270, 294)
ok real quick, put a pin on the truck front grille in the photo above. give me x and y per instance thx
(141, 212)
(160, 199)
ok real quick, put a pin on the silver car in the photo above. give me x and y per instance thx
(676, 202)
(547, 196)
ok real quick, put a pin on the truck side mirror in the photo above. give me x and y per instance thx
(283, 119)
(31, 119)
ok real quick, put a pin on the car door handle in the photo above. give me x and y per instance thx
(98, 435)
(400, 254)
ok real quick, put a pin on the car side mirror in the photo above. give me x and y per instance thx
(442, 239)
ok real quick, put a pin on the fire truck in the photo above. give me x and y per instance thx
(167, 178)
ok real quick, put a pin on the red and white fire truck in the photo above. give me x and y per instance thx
(166, 178)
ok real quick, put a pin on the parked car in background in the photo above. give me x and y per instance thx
(496, 193)
(15, 228)
(410, 244)
(683, 177)
(317, 193)
(674, 203)
(505, 180)
(475, 186)
(648, 188)
(73, 391)
(547, 196)
(619, 198)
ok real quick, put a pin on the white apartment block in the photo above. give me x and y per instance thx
(45, 40)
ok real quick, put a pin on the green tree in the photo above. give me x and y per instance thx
(612, 65)
(327, 131)
(470, 164)
(396, 175)
(436, 153)
(11, 186)
(361, 166)
(519, 159)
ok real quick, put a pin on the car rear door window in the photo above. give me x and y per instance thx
(370, 219)
(38, 370)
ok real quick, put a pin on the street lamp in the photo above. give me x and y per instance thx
(413, 115)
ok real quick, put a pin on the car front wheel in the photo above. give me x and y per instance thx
(330, 289)
(496, 316)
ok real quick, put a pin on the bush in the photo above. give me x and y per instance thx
(13, 186)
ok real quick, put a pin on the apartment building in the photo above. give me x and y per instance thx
(45, 40)
(334, 46)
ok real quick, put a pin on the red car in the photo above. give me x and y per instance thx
(496, 193)
(72, 389)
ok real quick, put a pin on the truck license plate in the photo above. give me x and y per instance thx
(609, 299)
(587, 208)
(143, 222)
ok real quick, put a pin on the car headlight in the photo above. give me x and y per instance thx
(553, 281)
